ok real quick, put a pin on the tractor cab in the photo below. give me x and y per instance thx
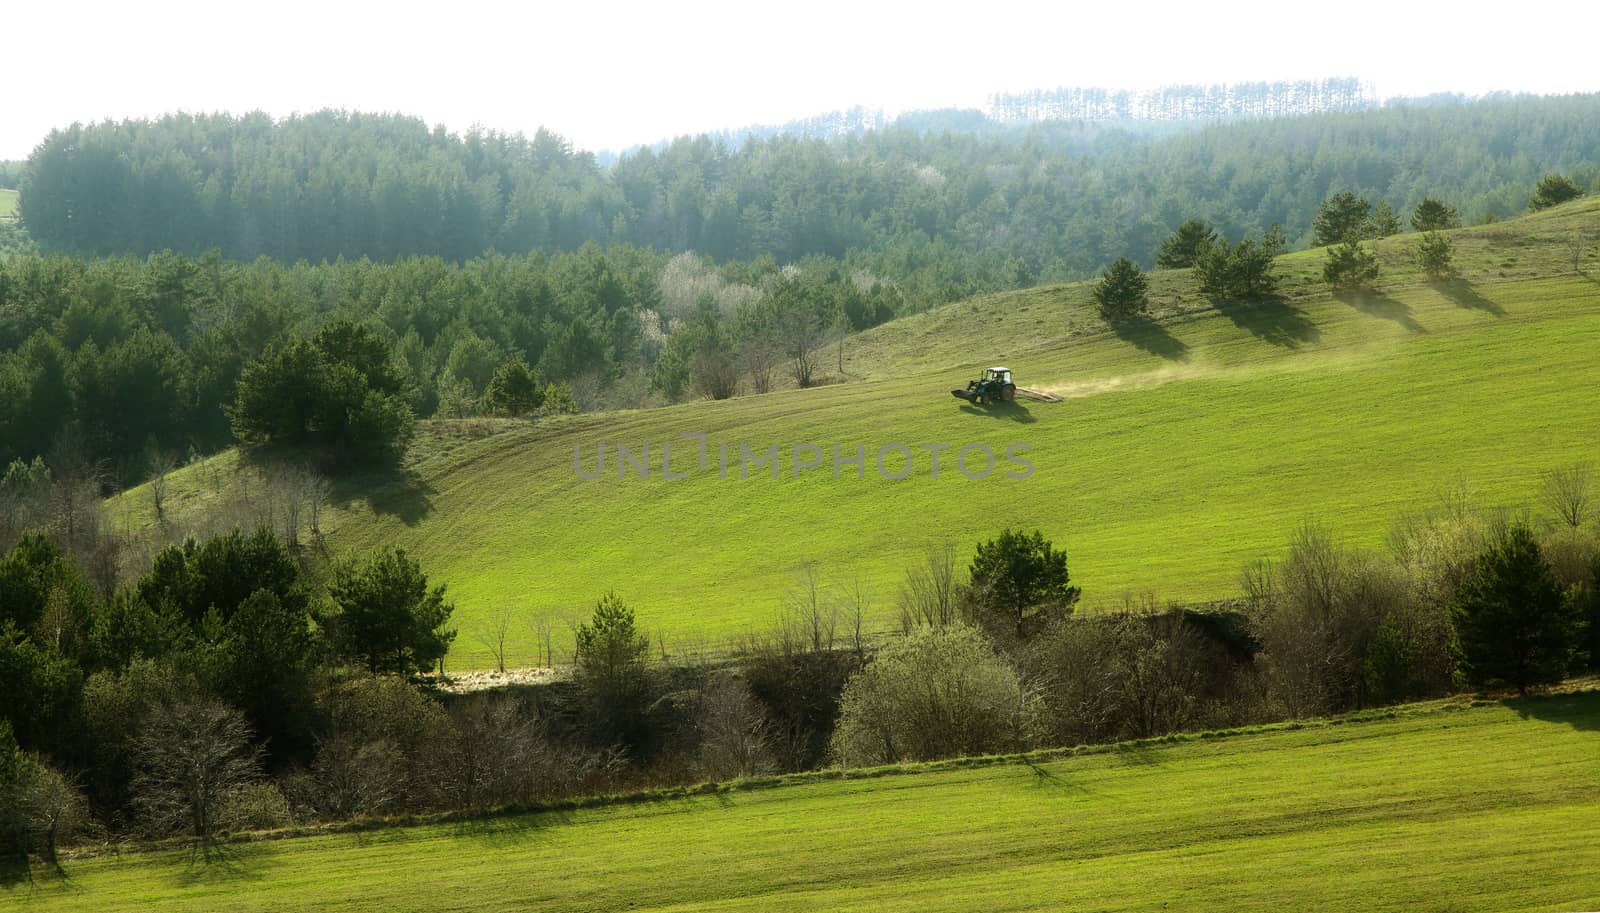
(998, 375)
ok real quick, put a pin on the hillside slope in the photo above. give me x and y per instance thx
(1183, 448)
(1450, 807)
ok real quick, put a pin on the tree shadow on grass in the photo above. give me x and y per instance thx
(1464, 295)
(1151, 337)
(220, 863)
(1581, 711)
(391, 492)
(1044, 778)
(1272, 320)
(389, 489)
(1369, 301)
(1141, 755)
(1014, 411)
(509, 830)
(15, 873)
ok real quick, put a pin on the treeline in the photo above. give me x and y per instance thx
(131, 364)
(233, 687)
(949, 214)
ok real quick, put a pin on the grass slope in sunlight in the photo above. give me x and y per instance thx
(1185, 447)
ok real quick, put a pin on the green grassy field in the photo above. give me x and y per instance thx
(1442, 807)
(8, 203)
(1184, 448)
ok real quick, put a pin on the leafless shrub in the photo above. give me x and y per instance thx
(1569, 493)
(160, 464)
(760, 358)
(810, 619)
(930, 594)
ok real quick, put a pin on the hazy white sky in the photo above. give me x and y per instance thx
(608, 74)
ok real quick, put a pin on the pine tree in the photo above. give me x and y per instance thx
(1350, 265)
(1339, 216)
(1434, 215)
(1383, 222)
(1122, 291)
(1186, 244)
(514, 390)
(1436, 255)
(1553, 190)
(1512, 624)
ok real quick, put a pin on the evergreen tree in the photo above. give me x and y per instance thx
(1122, 291)
(1513, 626)
(1383, 222)
(1019, 584)
(388, 617)
(1553, 190)
(1434, 215)
(613, 671)
(514, 390)
(1240, 272)
(1186, 244)
(1339, 216)
(1436, 255)
(1349, 265)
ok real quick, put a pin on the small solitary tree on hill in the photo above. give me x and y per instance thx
(1349, 265)
(1434, 215)
(1436, 256)
(1123, 291)
(613, 671)
(1019, 585)
(1553, 190)
(1186, 244)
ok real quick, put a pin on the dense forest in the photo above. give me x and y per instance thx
(950, 212)
(136, 362)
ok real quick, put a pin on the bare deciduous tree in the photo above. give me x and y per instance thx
(542, 624)
(930, 594)
(493, 635)
(1569, 492)
(759, 356)
(161, 463)
(810, 618)
(191, 754)
(1577, 246)
(733, 732)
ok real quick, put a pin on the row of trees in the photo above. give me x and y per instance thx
(1244, 271)
(233, 687)
(970, 211)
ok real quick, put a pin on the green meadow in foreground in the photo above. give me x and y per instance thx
(1183, 448)
(1490, 807)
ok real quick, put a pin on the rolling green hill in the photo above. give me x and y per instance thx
(1182, 449)
(1449, 806)
(8, 203)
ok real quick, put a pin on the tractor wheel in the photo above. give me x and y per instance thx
(1009, 392)
(977, 399)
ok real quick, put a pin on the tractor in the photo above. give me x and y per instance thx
(994, 386)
